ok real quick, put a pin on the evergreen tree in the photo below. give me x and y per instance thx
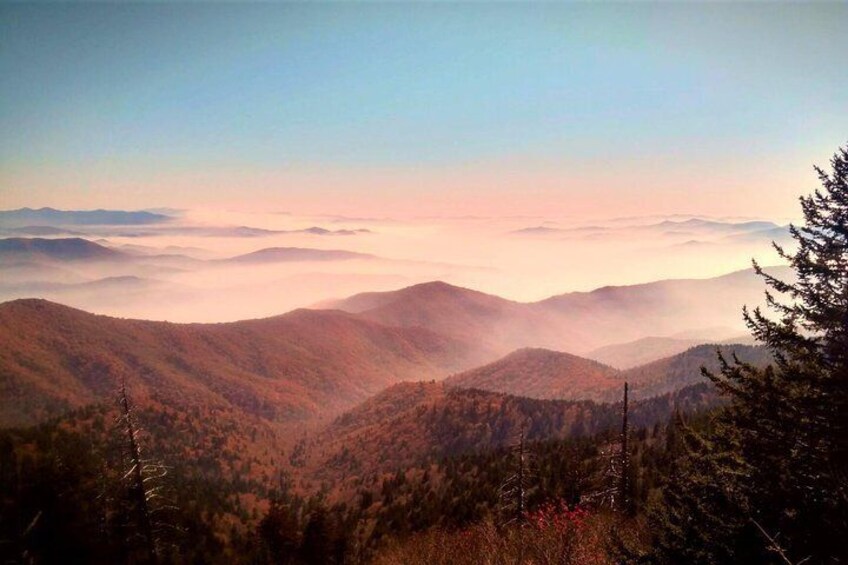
(769, 483)
(322, 544)
(280, 528)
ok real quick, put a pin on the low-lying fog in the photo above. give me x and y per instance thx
(183, 269)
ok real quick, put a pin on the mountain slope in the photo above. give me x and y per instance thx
(541, 373)
(40, 231)
(410, 423)
(282, 254)
(625, 313)
(684, 369)
(578, 322)
(295, 367)
(641, 351)
(496, 324)
(648, 349)
(53, 217)
(66, 249)
(544, 374)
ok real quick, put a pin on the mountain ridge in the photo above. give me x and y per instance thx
(53, 217)
(293, 367)
(540, 373)
(578, 322)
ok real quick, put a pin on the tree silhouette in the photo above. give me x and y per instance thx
(778, 453)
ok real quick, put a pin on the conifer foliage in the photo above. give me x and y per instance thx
(769, 482)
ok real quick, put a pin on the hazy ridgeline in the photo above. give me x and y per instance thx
(182, 268)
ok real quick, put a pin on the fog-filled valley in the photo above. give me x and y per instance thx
(211, 267)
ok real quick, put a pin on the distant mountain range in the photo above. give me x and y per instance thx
(294, 367)
(647, 349)
(67, 249)
(578, 322)
(122, 284)
(52, 217)
(712, 225)
(40, 231)
(311, 364)
(243, 231)
(730, 231)
(78, 249)
(122, 223)
(284, 254)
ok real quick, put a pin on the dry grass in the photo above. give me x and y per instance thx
(588, 540)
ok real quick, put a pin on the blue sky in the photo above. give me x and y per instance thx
(92, 95)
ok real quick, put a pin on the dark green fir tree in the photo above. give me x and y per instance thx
(769, 483)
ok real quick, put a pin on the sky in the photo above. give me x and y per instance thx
(587, 110)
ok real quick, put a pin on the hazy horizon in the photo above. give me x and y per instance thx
(519, 151)
(182, 272)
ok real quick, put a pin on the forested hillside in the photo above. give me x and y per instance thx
(412, 422)
(541, 373)
(292, 368)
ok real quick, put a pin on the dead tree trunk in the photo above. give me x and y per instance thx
(522, 476)
(135, 476)
(514, 488)
(624, 484)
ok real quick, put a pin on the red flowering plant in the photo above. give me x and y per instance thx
(557, 515)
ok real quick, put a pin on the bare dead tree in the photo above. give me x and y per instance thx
(135, 476)
(614, 486)
(624, 484)
(776, 548)
(514, 488)
(608, 491)
(144, 480)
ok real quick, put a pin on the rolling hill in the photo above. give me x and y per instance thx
(541, 373)
(498, 325)
(65, 249)
(410, 423)
(78, 249)
(653, 348)
(641, 351)
(40, 231)
(684, 369)
(578, 322)
(52, 217)
(284, 254)
(624, 313)
(544, 374)
(295, 367)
